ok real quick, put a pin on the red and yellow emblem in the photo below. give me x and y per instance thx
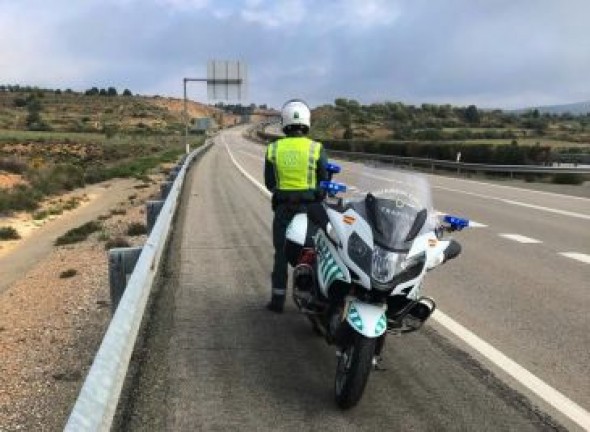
(347, 219)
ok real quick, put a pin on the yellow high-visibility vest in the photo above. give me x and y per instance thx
(294, 160)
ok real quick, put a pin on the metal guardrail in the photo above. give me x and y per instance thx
(97, 401)
(457, 166)
(463, 166)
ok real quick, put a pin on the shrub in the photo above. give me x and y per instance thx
(9, 233)
(117, 242)
(78, 234)
(569, 179)
(68, 273)
(119, 211)
(136, 229)
(21, 197)
(13, 165)
(57, 178)
(41, 214)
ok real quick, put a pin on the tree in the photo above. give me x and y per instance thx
(92, 92)
(472, 114)
(112, 91)
(126, 92)
(102, 92)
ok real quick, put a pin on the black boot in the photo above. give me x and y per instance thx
(276, 304)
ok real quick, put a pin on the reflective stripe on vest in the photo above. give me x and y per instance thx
(294, 160)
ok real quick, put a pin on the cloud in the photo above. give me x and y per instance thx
(503, 53)
(185, 4)
(275, 15)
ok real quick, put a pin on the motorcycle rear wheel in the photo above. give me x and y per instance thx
(353, 369)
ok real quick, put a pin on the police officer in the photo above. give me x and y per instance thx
(293, 168)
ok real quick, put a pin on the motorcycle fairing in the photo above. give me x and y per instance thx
(345, 224)
(367, 319)
(329, 264)
(297, 229)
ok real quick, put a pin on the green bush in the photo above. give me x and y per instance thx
(9, 233)
(78, 234)
(136, 229)
(68, 273)
(117, 242)
(13, 165)
(568, 179)
(57, 178)
(40, 215)
(19, 198)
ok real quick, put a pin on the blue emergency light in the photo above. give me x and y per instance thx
(332, 188)
(455, 222)
(332, 168)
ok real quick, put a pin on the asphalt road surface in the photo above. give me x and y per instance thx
(216, 360)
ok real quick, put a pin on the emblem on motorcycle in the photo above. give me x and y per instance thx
(347, 219)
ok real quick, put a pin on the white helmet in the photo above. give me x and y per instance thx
(295, 114)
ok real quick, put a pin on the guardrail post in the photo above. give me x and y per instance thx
(152, 211)
(165, 189)
(173, 173)
(121, 264)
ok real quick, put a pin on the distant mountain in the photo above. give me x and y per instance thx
(573, 108)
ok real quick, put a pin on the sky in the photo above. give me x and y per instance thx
(491, 53)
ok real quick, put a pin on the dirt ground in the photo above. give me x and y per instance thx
(51, 327)
(8, 180)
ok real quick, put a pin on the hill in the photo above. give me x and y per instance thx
(395, 121)
(580, 108)
(54, 110)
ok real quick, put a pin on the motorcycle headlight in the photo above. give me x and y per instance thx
(384, 265)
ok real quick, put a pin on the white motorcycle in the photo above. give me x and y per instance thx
(359, 264)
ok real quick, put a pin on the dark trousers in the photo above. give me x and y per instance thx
(283, 214)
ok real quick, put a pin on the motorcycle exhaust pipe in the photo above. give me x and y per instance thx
(412, 317)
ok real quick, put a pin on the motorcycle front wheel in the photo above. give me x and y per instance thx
(352, 370)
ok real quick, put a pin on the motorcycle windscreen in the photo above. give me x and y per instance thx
(397, 204)
(392, 221)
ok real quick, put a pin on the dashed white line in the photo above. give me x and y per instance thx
(547, 209)
(552, 396)
(585, 258)
(520, 238)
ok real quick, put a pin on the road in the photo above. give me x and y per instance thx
(216, 360)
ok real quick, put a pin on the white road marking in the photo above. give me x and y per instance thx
(517, 188)
(550, 395)
(518, 203)
(519, 238)
(547, 209)
(585, 258)
(504, 200)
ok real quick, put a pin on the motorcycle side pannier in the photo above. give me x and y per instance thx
(299, 236)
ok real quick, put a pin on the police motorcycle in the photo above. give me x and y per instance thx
(359, 264)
